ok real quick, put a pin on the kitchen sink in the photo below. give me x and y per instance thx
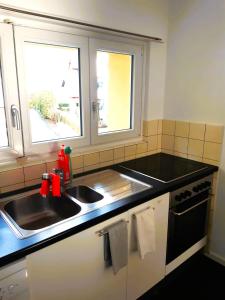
(84, 194)
(105, 187)
(30, 213)
(33, 213)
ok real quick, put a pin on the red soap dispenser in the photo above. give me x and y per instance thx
(64, 164)
(61, 158)
(68, 151)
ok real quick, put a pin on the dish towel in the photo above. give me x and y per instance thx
(145, 231)
(107, 252)
(118, 242)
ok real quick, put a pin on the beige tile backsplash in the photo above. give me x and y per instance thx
(214, 133)
(195, 147)
(196, 141)
(34, 172)
(182, 129)
(142, 148)
(106, 155)
(212, 151)
(11, 177)
(160, 125)
(91, 159)
(197, 131)
(77, 162)
(13, 187)
(119, 153)
(130, 150)
(168, 127)
(180, 144)
(152, 127)
(153, 142)
(51, 165)
(167, 142)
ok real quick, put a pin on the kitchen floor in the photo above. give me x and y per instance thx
(200, 277)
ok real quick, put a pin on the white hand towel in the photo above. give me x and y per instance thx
(145, 227)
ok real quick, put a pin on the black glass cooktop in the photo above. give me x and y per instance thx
(163, 167)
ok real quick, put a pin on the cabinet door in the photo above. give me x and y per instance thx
(74, 268)
(144, 274)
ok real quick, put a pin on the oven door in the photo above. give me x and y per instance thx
(187, 225)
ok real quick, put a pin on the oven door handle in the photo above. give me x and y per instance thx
(190, 208)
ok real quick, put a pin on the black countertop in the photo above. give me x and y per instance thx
(12, 248)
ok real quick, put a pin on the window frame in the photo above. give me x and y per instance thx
(44, 36)
(89, 142)
(10, 93)
(137, 71)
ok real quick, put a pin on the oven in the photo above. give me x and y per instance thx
(188, 216)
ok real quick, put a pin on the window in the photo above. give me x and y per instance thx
(54, 88)
(73, 89)
(116, 71)
(10, 121)
(114, 91)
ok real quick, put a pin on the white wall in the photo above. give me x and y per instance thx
(148, 17)
(141, 16)
(195, 85)
(156, 82)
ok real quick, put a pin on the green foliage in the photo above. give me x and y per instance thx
(44, 102)
(64, 106)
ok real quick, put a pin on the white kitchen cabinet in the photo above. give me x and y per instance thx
(13, 281)
(74, 268)
(144, 274)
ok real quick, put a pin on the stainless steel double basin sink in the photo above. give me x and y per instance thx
(30, 214)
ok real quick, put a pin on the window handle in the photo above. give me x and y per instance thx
(95, 106)
(15, 117)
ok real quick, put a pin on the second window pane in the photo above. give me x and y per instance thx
(53, 86)
(114, 91)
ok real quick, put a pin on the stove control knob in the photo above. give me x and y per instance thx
(187, 193)
(183, 195)
(201, 186)
(178, 197)
(207, 184)
(195, 189)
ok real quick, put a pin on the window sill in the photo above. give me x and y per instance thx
(14, 162)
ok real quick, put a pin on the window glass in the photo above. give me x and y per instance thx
(114, 91)
(3, 128)
(53, 88)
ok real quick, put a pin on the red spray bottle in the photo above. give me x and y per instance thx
(64, 164)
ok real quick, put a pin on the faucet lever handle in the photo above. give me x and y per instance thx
(56, 185)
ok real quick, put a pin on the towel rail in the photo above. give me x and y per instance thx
(105, 231)
(134, 215)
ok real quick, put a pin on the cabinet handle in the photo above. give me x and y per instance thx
(105, 231)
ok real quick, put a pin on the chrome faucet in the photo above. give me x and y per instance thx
(53, 182)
